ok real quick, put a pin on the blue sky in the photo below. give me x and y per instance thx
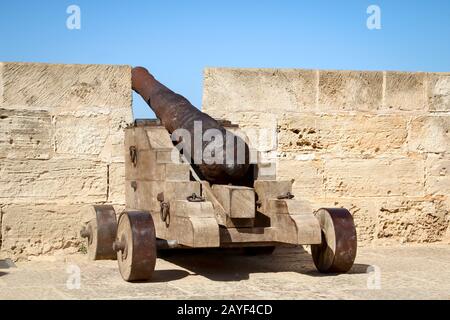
(177, 39)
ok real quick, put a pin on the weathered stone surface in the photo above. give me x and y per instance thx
(32, 181)
(119, 118)
(258, 129)
(271, 90)
(350, 91)
(116, 183)
(81, 136)
(405, 91)
(430, 134)
(370, 137)
(308, 176)
(446, 238)
(438, 175)
(385, 161)
(412, 220)
(114, 147)
(25, 134)
(58, 87)
(361, 134)
(30, 230)
(374, 177)
(61, 145)
(439, 91)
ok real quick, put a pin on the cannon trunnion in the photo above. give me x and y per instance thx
(169, 206)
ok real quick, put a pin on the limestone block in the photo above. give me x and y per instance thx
(66, 180)
(412, 220)
(30, 230)
(58, 87)
(113, 152)
(308, 176)
(119, 119)
(116, 183)
(374, 177)
(446, 238)
(350, 91)
(430, 134)
(358, 134)
(405, 91)
(259, 129)
(439, 91)
(437, 175)
(25, 134)
(81, 136)
(279, 91)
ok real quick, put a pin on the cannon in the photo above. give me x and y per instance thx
(174, 202)
(177, 113)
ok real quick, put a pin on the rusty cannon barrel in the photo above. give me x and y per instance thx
(228, 160)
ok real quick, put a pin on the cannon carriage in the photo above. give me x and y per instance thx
(173, 203)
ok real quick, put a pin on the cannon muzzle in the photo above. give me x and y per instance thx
(230, 154)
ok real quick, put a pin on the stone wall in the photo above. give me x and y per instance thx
(61, 150)
(377, 143)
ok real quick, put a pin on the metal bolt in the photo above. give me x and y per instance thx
(118, 246)
(85, 232)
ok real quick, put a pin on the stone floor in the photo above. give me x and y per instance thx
(409, 272)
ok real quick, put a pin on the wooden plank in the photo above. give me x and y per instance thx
(271, 189)
(237, 202)
(159, 138)
(242, 235)
(176, 171)
(222, 217)
(184, 208)
(276, 206)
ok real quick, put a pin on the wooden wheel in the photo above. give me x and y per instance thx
(258, 251)
(337, 252)
(100, 233)
(136, 246)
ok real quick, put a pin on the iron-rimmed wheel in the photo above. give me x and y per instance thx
(136, 246)
(258, 251)
(100, 233)
(337, 252)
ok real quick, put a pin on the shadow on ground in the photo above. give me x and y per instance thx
(165, 276)
(233, 265)
(6, 264)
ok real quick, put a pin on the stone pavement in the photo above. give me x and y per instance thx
(402, 272)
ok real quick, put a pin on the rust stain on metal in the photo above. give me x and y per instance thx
(176, 112)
